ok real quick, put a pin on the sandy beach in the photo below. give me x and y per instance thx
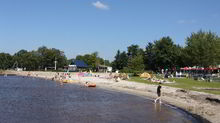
(198, 103)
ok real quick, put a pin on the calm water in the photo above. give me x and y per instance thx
(32, 100)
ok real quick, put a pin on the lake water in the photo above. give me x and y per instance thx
(34, 100)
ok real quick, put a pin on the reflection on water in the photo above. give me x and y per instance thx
(157, 107)
(33, 100)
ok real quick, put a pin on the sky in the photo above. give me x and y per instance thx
(79, 27)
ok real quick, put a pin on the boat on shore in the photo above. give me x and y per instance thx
(90, 84)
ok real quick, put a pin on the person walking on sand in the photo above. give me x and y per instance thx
(158, 93)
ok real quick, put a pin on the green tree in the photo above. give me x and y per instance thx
(149, 57)
(20, 58)
(136, 64)
(165, 53)
(95, 60)
(134, 50)
(179, 60)
(115, 63)
(203, 49)
(30, 61)
(6, 61)
(48, 56)
(107, 63)
(80, 57)
(120, 61)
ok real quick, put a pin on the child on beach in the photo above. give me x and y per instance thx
(158, 93)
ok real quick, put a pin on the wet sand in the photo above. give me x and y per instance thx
(33, 100)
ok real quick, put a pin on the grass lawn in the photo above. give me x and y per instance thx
(185, 83)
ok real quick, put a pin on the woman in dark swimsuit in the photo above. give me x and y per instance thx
(158, 93)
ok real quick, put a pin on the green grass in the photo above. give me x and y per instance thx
(185, 83)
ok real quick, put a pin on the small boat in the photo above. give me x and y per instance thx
(68, 81)
(65, 81)
(90, 84)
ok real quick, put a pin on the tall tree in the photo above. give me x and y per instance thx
(180, 59)
(30, 61)
(107, 63)
(48, 57)
(20, 58)
(115, 63)
(203, 49)
(120, 61)
(149, 57)
(165, 53)
(136, 64)
(134, 50)
(6, 61)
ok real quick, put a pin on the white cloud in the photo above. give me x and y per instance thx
(186, 21)
(181, 21)
(100, 5)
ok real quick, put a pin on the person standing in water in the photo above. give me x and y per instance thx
(158, 93)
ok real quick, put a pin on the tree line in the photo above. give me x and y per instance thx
(201, 49)
(33, 60)
(45, 57)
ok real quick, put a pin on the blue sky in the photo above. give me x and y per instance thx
(78, 27)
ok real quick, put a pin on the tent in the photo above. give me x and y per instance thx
(79, 64)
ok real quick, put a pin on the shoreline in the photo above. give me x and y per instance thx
(192, 102)
(199, 118)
